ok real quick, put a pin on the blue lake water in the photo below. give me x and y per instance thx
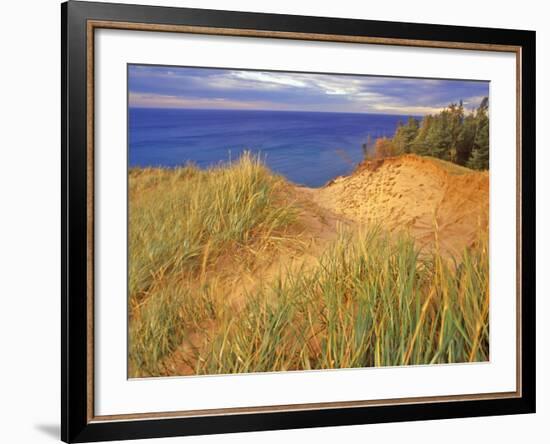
(309, 148)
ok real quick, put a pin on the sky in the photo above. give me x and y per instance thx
(208, 88)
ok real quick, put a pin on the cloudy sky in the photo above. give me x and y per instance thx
(180, 87)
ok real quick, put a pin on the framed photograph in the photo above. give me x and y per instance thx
(275, 221)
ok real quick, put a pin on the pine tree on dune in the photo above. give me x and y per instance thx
(479, 158)
(449, 135)
(405, 136)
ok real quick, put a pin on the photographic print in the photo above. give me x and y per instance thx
(276, 222)
(283, 221)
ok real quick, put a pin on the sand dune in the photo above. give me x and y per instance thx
(437, 202)
(428, 197)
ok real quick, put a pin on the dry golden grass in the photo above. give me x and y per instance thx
(371, 299)
(183, 222)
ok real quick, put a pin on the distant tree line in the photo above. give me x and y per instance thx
(450, 135)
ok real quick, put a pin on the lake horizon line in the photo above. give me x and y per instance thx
(417, 116)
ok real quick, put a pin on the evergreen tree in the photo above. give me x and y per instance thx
(405, 135)
(419, 145)
(449, 135)
(439, 139)
(465, 142)
(455, 123)
(479, 159)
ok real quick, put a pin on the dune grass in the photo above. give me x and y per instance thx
(372, 299)
(182, 222)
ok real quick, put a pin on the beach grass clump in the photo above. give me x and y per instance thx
(182, 222)
(373, 300)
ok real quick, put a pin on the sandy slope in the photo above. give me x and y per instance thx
(316, 227)
(422, 195)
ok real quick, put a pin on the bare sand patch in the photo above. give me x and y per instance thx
(430, 198)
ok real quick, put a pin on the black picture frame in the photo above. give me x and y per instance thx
(76, 423)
